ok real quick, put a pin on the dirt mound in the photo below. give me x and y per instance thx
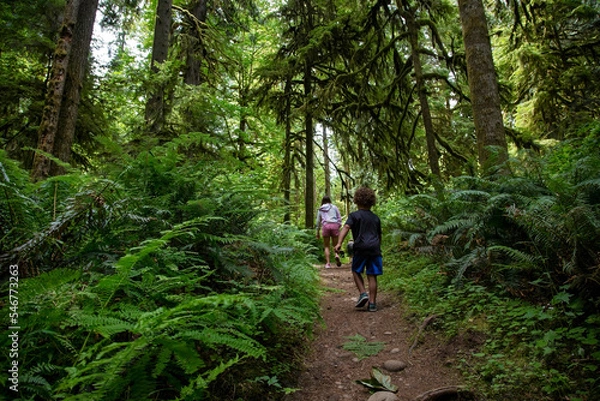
(331, 371)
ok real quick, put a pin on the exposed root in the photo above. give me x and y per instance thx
(440, 394)
(421, 328)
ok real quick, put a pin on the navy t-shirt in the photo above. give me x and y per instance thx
(366, 232)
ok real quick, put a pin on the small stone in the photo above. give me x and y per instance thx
(344, 355)
(395, 351)
(355, 360)
(388, 333)
(384, 396)
(394, 365)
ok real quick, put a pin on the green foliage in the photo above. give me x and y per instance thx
(18, 210)
(361, 347)
(154, 281)
(549, 69)
(510, 265)
(378, 382)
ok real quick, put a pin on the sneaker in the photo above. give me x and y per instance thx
(338, 261)
(362, 300)
(328, 266)
(372, 307)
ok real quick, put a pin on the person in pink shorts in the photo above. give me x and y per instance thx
(329, 218)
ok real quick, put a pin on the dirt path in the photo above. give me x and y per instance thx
(330, 371)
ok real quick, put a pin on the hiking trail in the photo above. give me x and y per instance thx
(330, 371)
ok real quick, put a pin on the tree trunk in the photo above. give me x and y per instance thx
(413, 34)
(155, 113)
(195, 50)
(346, 196)
(483, 84)
(287, 158)
(309, 197)
(326, 161)
(56, 88)
(78, 65)
(241, 152)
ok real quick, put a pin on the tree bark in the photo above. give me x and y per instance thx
(413, 34)
(155, 113)
(483, 84)
(326, 161)
(287, 158)
(195, 50)
(78, 66)
(56, 88)
(309, 197)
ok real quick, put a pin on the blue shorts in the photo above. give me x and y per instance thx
(373, 264)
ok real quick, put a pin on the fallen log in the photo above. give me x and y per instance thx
(444, 393)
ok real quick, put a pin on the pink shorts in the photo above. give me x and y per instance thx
(331, 229)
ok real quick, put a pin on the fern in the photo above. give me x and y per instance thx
(154, 305)
(185, 354)
(104, 325)
(201, 382)
(162, 361)
(230, 338)
(523, 259)
(361, 347)
(49, 282)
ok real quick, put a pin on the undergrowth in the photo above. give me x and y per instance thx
(159, 280)
(510, 267)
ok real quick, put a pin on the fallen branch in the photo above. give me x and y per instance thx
(421, 328)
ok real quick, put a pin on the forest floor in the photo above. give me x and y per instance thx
(330, 371)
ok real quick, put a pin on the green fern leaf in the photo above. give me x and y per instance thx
(186, 355)
(45, 283)
(229, 338)
(202, 381)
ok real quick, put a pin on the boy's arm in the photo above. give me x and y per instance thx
(341, 237)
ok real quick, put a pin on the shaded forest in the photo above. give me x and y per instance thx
(161, 162)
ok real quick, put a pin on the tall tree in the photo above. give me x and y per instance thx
(408, 12)
(288, 150)
(309, 60)
(483, 84)
(309, 194)
(155, 105)
(54, 97)
(326, 160)
(195, 49)
(302, 52)
(76, 72)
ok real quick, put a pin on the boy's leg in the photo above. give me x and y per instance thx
(359, 281)
(363, 298)
(358, 266)
(372, 288)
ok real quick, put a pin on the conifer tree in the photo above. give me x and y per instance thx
(483, 83)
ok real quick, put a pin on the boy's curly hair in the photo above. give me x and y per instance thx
(365, 197)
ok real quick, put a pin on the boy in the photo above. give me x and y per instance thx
(366, 232)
